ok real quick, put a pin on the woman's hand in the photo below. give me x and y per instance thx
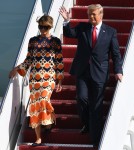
(13, 73)
(59, 86)
(64, 13)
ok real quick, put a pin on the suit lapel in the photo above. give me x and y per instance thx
(88, 34)
(101, 34)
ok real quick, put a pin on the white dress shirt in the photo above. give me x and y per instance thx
(98, 27)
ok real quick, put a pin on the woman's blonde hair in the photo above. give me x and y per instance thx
(46, 20)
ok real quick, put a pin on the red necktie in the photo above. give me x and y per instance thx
(94, 36)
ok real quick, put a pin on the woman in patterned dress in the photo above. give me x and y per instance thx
(44, 58)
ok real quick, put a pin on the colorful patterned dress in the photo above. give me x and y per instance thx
(45, 60)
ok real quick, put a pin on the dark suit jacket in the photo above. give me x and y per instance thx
(99, 55)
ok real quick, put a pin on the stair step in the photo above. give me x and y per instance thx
(70, 50)
(68, 63)
(122, 38)
(69, 92)
(62, 136)
(70, 107)
(118, 13)
(70, 80)
(128, 3)
(122, 26)
(51, 146)
(68, 121)
(64, 121)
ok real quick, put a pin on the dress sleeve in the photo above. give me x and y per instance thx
(59, 61)
(23, 67)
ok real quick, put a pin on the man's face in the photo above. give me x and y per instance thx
(95, 17)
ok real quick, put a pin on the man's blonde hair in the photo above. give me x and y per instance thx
(94, 7)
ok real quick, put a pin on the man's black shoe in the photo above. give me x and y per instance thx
(95, 145)
(37, 144)
(85, 129)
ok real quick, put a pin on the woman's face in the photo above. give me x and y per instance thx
(44, 29)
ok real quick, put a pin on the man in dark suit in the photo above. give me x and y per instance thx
(96, 42)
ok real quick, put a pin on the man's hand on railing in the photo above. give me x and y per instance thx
(118, 76)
